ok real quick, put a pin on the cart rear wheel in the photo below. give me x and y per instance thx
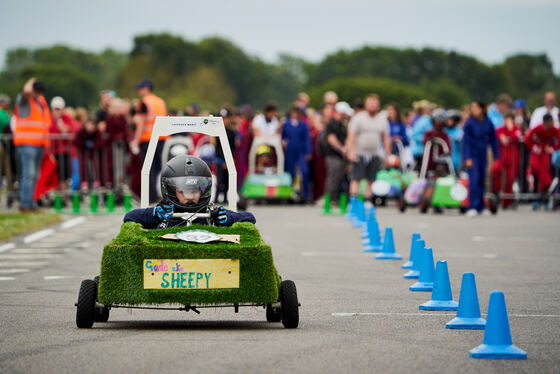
(290, 304)
(272, 314)
(85, 310)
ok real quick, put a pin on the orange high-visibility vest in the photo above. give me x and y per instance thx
(156, 107)
(34, 129)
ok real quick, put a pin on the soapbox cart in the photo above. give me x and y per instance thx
(223, 267)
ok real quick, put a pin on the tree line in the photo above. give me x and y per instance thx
(215, 71)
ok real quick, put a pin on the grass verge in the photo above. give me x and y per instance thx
(13, 224)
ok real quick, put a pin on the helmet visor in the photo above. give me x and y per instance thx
(188, 191)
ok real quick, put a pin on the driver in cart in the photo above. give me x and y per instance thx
(186, 186)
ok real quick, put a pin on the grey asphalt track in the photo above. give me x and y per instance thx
(357, 314)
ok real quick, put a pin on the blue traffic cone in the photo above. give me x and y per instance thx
(350, 215)
(388, 250)
(468, 313)
(426, 278)
(442, 298)
(408, 265)
(374, 242)
(497, 341)
(359, 215)
(414, 273)
(365, 228)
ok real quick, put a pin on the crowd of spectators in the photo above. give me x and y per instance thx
(328, 149)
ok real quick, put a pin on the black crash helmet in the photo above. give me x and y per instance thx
(187, 174)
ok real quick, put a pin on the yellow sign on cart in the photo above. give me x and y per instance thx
(200, 274)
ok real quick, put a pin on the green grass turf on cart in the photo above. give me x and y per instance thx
(121, 277)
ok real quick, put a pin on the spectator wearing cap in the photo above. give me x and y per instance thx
(548, 107)
(496, 111)
(31, 130)
(149, 107)
(61, 131)
(266, 123)
(542, 140)
(521, 113)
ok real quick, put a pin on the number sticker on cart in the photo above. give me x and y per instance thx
(184, 274)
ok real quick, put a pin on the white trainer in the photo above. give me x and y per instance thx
(471, 213)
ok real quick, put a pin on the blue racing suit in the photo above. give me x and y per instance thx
(149, 220)
(298, 146)
(477, 136)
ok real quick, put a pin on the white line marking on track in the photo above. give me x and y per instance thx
(12, 271)
(437, 314)
(29, 256)
(23, 263)
(56, 277)
(7, 246)
(40, 250)
(477, 239)
(328, 254)
(38, 235)
(7, 278)
(73, 222)
(391, 314)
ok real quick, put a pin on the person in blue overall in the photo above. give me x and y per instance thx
(297, 146)
(478, 134)
(186, 186)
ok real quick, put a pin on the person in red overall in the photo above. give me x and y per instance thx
(542, 141)
(510, 137)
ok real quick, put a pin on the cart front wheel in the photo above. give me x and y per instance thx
(273, 314)
(290, 304)
(101, 313)
(85, 310)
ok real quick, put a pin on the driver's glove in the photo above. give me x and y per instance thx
(219, 216)
(163, 212)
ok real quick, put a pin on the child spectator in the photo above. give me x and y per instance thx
(542, 141)
(509, 136)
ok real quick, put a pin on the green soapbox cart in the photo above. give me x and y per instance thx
(190, 267)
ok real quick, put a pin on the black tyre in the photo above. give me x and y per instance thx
(85, 310)
(273, 315)
(401, 204)
(290, 304)
(493, 202)
(423, 205)
(101, 313)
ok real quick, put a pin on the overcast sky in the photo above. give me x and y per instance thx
(487, 29)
